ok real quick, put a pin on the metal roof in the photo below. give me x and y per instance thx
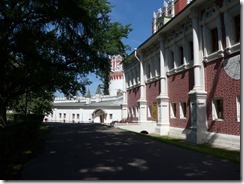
(108, 103)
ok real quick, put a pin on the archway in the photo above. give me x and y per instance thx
(99, 116)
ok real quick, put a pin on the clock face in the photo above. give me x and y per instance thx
(232, 67)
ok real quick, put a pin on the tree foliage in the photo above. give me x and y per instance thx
(53, 44)
(33, 103)
(98, 91)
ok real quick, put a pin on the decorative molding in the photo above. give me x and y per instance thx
(211, 9)
(179, 69)
(179, 31)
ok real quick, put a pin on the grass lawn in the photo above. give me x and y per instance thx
(17, 142)
(231, 155)
(222, 153)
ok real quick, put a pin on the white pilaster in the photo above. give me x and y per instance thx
(124, 105)
(142, 103)
(197, 62)
(198, 129)
(163, 99)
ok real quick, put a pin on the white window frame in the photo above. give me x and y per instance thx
(238, 108)
(214, 110)
(172, 113)
(209, 23)
(149, 111)
(182, 114)
(231, 8)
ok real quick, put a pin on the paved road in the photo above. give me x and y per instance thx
(97, 152)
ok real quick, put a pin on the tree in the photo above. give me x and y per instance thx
(98, 91)
(53, 44)
(36, 103)
(88, 94)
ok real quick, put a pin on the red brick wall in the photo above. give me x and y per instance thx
(179, 5)
(133, 96)
(152, 91)
(116, 75)
(220, 85)
(178, 87)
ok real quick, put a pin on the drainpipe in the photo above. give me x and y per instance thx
(136, 55)
(142, 103)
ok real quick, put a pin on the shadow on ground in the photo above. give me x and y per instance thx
(98, 152)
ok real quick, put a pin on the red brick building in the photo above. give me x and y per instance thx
(184, 80)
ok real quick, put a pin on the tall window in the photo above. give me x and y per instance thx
(214, 39)
(217, 109)
(64, 115)
(149, 111)
(77, 116)
(148, 71)
(60, 115)
(237, 28)
(191, 50)
(173, 110)
(181, 56)
(170, 59)
(182, 109)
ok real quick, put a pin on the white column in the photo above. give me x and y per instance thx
(198, 131)
(124, 105)
(142, 103)
(163, 99)
(197, 65)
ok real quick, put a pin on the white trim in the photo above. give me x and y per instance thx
(215, 116)
(182, 116)
(172, 113)
(238, 109)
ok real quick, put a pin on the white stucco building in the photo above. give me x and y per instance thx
(98, 108)
(103, 109)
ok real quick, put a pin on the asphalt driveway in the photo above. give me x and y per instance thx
(98, 152)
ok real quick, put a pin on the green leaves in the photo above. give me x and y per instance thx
(54, 44)
(50, 45)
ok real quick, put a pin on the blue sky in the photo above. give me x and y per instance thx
(139, 14)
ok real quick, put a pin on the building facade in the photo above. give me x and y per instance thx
(98, 108)
(184, 80)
